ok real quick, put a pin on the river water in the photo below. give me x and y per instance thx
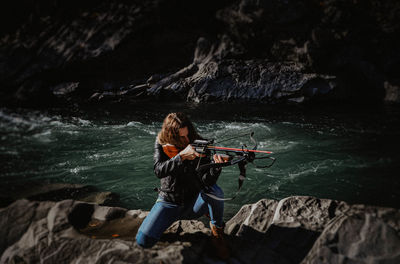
(344, 155)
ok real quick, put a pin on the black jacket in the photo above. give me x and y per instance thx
(180, 182)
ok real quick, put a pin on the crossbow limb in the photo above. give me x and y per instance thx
(234, 156)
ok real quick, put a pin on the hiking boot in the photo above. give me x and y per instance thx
(219, 242)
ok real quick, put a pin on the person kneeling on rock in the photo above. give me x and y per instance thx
(183, 193)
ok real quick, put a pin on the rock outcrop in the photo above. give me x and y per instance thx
(311, 230)
(265, 51)
(212, 77)
(293, 230)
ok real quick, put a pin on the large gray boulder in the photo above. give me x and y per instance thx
(281, 232)
(361, 235)
(311, 230)
(75, 232)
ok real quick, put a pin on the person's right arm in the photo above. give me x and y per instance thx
(163, 165)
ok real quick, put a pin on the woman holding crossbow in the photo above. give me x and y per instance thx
(184, 194)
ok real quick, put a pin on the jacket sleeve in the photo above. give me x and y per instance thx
(210, 177)
(163, 165)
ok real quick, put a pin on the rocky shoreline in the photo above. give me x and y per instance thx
(99, 54)
(298, 229)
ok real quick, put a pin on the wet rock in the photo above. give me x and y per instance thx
(64, 88)
(59, 191)
(101, 198)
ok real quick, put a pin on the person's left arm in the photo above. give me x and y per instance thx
(210, 177)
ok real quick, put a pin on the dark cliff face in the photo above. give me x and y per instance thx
(269, 51)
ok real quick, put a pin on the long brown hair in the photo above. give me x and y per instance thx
(169, 133)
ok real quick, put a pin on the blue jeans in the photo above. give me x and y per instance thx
(163, 214)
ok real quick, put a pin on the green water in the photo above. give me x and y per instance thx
(338, 156)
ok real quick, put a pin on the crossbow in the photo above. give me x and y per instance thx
(231, 156)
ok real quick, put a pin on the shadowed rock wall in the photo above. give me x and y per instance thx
(268, 51)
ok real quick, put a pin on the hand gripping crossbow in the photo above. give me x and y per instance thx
(231, 156)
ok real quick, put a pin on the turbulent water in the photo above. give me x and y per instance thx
(330, 156)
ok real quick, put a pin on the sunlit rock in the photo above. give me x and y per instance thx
(293, 230)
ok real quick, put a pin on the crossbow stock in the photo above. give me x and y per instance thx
(231, 156)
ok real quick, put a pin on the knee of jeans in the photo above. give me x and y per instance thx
(145, 241)
(217, 191)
